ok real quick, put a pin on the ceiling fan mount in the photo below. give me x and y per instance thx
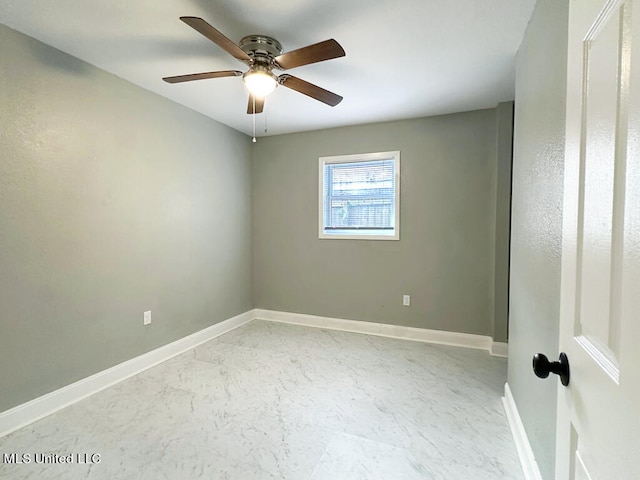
(260, 46)
(262, 54)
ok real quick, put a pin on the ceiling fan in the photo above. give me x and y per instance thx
(263, 54)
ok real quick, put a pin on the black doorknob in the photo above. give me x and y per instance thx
(542, 367)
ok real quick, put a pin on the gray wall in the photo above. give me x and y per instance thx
(537, 221)
(445, 256)
(113, 201)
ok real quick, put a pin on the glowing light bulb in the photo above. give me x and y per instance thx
(260, 82)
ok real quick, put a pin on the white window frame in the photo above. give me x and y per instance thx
(360, 157)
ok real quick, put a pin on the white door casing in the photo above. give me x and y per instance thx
(598, 418)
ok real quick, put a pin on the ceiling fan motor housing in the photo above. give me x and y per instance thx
(261, 48)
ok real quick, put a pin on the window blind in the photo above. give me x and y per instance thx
(359, 196)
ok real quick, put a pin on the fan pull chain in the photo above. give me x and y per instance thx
(265, 122)
(253, 97)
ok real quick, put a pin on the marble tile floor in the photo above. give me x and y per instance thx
(277, 401)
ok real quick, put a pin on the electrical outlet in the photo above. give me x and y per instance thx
(406, 300)
(147, 318)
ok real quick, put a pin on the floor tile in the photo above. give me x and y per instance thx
(277, 401)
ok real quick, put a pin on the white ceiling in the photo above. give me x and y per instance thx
(405, 58)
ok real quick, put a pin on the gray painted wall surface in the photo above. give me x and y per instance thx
(113, 201)
(444, 258)
(537, 221)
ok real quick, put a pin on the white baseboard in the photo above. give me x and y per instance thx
(26, 413)
(527, 458)
(29, 412)
(500, 349)
(467, 340)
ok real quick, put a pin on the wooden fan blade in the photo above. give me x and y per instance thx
(216, 37)
(259, 104)
(318, 52)
(309, 89)
(202, 76)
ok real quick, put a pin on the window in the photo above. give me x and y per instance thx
(360, 196)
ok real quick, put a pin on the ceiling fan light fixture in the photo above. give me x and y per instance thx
(260, 81)
(262, 54)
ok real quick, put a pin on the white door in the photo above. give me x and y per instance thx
(598, 435)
